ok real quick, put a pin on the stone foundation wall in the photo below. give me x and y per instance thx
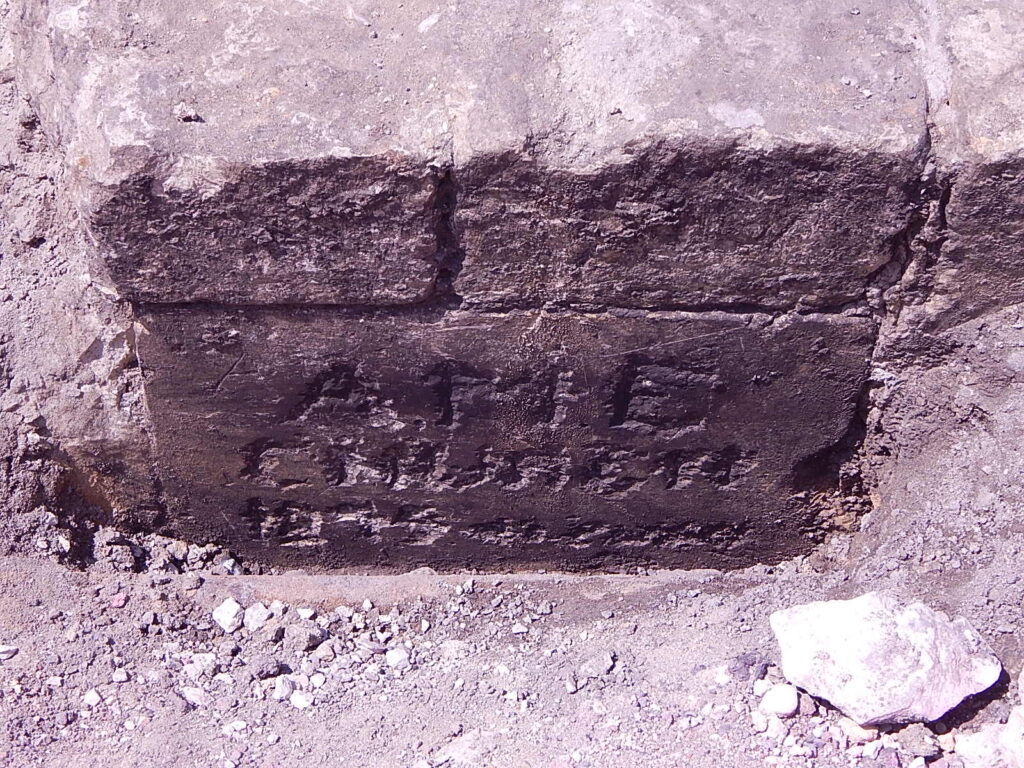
(518, 284)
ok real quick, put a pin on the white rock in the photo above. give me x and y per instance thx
(8, 652)
(305, 613)
(256, 616)
(761, 687)
(284, 687)
(519, 629)
(881, 662)
(228, 615)
(301, 700)
(781, 699)
(994, 746)
(317, 679)
(92, 698)
(857, 734)
(120, 676)
(397, 658)
(758, 721)
(195, 696)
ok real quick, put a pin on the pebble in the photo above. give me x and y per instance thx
(92, 698)
(195, 696)
(229, 615)
(918, 741)
(781, 699)
(759, 721)
(284, 687)
(8, 652)
(120, 676)
(857, 734)
(305, 613)
(397, 658)
(303, 637)
(597, 666)
(256, 616)
(519, 629)
(301, 700)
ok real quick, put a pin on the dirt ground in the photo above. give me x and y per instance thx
(122, 668)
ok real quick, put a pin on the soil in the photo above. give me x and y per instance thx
(120, 663)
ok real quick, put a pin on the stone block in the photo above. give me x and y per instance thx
(465, 438)
(643, 154)
(975, 68)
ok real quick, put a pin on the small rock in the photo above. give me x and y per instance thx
(303, 637)
(758, 721)
(317, 679)
(305, 613)
(881, 662)
(597, 666)
(397, 658)
(519, 629)
(190, 582)
(918, 741)
(808, 707)
(301, 700)
(92, 698)
(325, 651)
(284, 687)
(197, 697)
(367, 605)
(8, 652)
(857, 734)
(120, 676)
(256, 616)
(229, 615)
(781, 700)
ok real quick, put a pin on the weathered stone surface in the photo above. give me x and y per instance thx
(647, 154)
(882, 662)
(338, 227)
(975, 70)
(996, 745)
(530, 437)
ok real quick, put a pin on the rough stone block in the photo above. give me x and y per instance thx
(466, 438)
(976, 75)
(643, 154)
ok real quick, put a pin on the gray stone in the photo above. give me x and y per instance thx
(880, 661)
(303, 637)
